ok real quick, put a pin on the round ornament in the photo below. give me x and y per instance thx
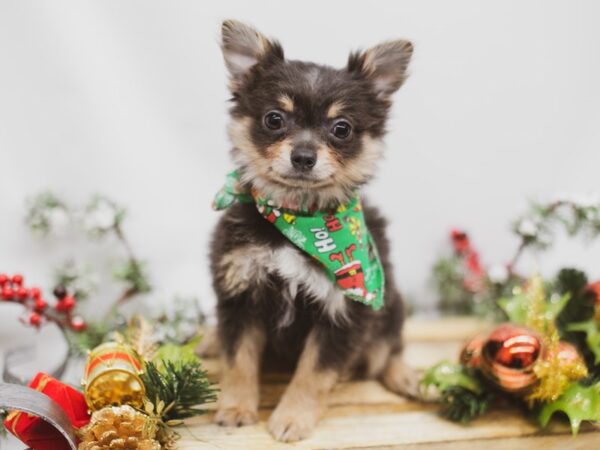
(509, 355)
(470, 355)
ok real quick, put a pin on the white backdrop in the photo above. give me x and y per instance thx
(128, 98)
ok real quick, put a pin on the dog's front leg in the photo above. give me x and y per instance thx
(239, 396)
(305, 399)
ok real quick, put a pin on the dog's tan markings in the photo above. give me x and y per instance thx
(286, 102)
(280, 150)
(335, 109)
(241, 267)
(305, 398)
(358, 170)
(377, 358)
(238, 400)
(210, 345)
(400, 378)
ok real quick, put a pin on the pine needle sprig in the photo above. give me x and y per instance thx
(463, 405)
(183, 386)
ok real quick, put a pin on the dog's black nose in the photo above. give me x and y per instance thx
(304, 158)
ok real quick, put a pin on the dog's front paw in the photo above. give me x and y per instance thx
(402, 379)
(289, 425)
(236, 416)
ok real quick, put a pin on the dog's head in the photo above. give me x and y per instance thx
(306, 131)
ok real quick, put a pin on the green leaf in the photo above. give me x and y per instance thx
(590, 328)
(517, 307)
(179, 353)
(578, 402)
(446, 374)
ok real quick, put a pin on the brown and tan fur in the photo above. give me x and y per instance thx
(301, 131)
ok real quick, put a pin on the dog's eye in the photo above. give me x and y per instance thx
(341, 129)
(274, 120)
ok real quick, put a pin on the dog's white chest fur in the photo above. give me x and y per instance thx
(251, 264)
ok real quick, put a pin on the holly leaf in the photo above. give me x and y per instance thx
(178, 353)
(446, 374)
(590, 328)
(517, 307)
(578, 402)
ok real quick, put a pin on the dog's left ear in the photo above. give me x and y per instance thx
(244, 47)
(384, 65)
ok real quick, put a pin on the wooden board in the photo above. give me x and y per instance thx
(364, 415)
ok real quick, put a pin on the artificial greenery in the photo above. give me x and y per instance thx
(463, 395)
(581, 306)
(182, 386)
(133, 273)
(536, 229)
(580, 402)
(44, 212)
(463, 405)
(454, 297)
(94, 334)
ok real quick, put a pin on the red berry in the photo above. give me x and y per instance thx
(40, 305)
(68, 302)
(17, 279)
(35, 292)
(78, 324)
(8, 293)
(22, 293)
(3, 279)
(35, 319)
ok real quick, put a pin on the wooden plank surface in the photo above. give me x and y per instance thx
(364, 415)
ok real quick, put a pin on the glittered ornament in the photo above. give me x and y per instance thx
(509, 355)
(560, 365)
(568, 353)
(112, 377)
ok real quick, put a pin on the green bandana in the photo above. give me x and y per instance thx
(338, 239)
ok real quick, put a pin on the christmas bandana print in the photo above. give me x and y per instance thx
(337, 238)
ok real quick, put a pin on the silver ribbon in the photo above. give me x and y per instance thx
(16, 356)
(21, 398)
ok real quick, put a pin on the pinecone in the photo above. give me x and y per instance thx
(119, 428)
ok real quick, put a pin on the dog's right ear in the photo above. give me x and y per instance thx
(243, 47)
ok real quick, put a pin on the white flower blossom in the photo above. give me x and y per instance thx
(527, 228)
(100, 217)
(58, 220)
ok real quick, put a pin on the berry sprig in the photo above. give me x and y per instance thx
(37, 309)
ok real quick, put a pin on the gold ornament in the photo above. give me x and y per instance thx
(119, 428)
(560, 363)
(536, 294)
(560, 366)
(141, 337)
(112, 377)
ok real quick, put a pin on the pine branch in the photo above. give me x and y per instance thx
(463, 405)
(183, 387)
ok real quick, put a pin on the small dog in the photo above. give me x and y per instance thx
(305, 134)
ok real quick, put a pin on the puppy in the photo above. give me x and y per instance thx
(302, 134)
